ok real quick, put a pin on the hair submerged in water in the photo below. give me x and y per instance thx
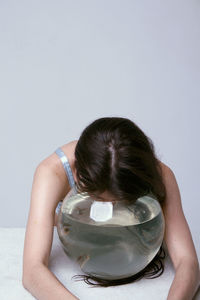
(113, 154)
(153, 270)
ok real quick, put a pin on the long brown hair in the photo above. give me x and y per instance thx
(113, 154)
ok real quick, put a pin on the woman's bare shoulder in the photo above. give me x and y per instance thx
(168, 176)
(53, 161)
(164, 168)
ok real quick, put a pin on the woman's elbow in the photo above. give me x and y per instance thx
(28, 275)
(25, 282)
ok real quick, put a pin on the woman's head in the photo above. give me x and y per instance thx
(116, 161)
(114, 157)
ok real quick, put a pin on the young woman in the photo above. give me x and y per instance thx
(113, 159)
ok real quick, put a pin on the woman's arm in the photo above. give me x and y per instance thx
(179, 243)
(44, 285)
(48, 188)
(186, 282)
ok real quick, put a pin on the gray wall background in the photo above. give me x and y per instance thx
(65, 63)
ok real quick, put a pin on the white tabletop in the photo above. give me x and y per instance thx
(11, 288)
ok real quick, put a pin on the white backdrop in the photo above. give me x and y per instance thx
(65, 63)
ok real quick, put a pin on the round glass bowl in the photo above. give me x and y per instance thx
(110, 240)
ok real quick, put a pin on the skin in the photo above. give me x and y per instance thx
(50, 185)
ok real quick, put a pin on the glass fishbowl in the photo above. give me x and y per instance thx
(110, 240)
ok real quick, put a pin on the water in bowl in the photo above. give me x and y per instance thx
(116, 248)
